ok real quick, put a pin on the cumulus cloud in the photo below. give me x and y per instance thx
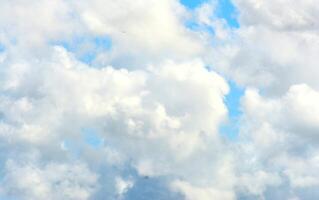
(275, 47)
(141, 32)
(51, 181)
(143, 117)
(282, 15)
(281, 139)
(273, 54)
(154, 28)
(126, 100)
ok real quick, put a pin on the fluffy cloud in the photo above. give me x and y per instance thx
(281, 139)
(33, 23)
(144, 118)
(140, 32)
(274, 51)
(155, 29)
(281, 15)
(275, 47)
(120, 100)
(51, 181)
(298, 107)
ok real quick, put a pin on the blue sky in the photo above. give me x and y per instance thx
(86, 49)
(232, 101)
(226, 10)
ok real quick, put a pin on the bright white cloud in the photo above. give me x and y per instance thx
(146, 109)
(275, 47)
(141, 32)
(51, 181)
(152, 28)
(281, 138)
(145, 117)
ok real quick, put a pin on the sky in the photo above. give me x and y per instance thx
(161, 100)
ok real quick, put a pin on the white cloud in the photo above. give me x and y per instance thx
(275, 47)
(295, 112)
(194, 193)
(279, 136)
(34, 22)
(282, 15)
(146, 118)
(257, 182)
(150, 103)
(141, 32)
(51, 181)
(123, 185)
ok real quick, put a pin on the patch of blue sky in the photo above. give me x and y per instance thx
(2, 48)
(155, 188)
(7, 198)
(86, 49)
(225, 10)
(2, 167)
(89, 136)
(193, 25)
(192, 3)
(92, 138)
(101, 44)
(232, 101)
